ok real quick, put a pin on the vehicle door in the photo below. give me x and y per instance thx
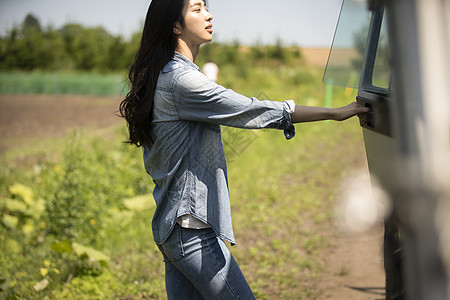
(406, 132)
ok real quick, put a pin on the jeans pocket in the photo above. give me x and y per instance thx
(173, 246)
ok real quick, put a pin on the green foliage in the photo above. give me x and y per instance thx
(28, 47)
(31, 23)
(20, 210)
(83, 252)
(38, 82)
(73, 47)
(90, 61)
(249, 56)
(74, 202)
(261, 67)
(93, 241)
(51, 242)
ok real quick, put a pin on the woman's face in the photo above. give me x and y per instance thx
(197, 27)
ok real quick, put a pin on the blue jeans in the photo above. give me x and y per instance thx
(200, 266)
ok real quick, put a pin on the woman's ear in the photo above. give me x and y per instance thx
(177, 28)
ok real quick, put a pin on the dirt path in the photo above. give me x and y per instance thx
(354, 261)
(355, 267)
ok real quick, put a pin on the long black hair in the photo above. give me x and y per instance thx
(158, 45)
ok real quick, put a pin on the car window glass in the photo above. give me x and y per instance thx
(346, 57)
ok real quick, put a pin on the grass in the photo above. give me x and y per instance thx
(282, 194)
(62, 83)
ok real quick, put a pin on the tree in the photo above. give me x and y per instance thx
(30, 44)
(31, 22)
(115, 56)
(90, 47)
(277, 52)
(69, 34)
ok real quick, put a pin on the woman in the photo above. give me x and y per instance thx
(174, 112)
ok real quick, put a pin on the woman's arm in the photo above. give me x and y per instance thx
(312, 113)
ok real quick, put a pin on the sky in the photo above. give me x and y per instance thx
(306, 23)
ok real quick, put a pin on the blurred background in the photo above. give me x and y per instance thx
(302, 22)
(75, 201)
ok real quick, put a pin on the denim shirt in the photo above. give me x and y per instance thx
(186, 159)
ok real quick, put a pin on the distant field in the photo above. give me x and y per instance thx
(62, 83)
(316, 56)
(29, 119)
(319, 56)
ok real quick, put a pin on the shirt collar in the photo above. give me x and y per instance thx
(184, 60)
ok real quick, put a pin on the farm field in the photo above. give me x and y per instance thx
(342, 267)
(68, 150)
(26, 119)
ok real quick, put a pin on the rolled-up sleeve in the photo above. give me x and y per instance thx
(197, 98)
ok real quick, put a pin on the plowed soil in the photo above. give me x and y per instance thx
(30, 118)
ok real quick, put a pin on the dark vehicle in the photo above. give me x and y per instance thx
(400, 51)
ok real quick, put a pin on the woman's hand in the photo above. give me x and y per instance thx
(348, 111)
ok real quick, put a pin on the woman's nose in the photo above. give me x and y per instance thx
(209, 16)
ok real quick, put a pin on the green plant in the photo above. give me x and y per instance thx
(61, 83)
(20, 210)
(74, 202)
